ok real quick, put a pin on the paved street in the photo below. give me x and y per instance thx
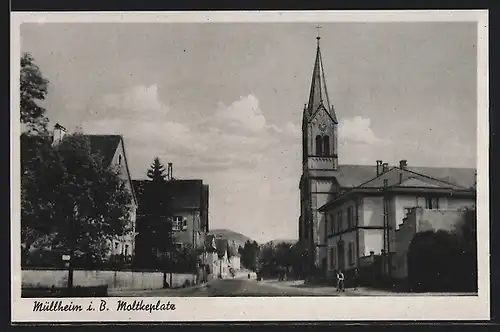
(229, 287)
(245, 287)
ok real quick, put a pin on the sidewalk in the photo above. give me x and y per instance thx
(360, 291)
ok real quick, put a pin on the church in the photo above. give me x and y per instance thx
(352, 212)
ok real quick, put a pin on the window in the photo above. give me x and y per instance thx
(332, 224)
(339, 221)
(177, 224)
(126, 250)
(326, 145)
(351, 253)
(184, 224)
(332, 258)
(119, 159)
(319, 145)
(116, 246)
(350, 221)
(432, 203)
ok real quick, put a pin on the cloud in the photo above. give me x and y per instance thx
(357, 130)
(140, 102)
(293, 130)
(236, 136)
(243, 117)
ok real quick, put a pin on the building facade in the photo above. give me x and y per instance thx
(365, 220)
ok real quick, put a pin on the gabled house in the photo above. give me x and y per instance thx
(220, 257)
(112, 150)
(185, 205)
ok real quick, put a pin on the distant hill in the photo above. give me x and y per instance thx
(238, 238)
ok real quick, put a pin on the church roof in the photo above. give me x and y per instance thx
(349, 176)
(318, 95)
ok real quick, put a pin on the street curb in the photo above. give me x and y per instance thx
(123, 291)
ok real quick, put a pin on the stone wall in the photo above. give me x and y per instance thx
(114, 279)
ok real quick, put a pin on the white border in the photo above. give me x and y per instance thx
(279, 308)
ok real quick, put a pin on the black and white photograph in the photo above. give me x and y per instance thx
(168, 162)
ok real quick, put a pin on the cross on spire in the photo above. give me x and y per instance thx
(317, 28)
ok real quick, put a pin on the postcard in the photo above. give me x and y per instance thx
(250, 166)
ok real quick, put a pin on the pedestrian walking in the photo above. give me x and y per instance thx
(356, 279)
(340, 277)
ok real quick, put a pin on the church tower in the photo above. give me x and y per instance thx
(319, 167)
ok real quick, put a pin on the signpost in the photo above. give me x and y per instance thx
(67, 262)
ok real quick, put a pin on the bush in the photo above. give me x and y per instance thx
(441, 262)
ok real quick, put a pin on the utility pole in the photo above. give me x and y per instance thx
(387, 231)
(384, 206)
(72, 244)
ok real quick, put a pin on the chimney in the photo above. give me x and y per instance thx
(58, 134)
(169, 171)
(403, 164)
(385, 167)
(379, 166)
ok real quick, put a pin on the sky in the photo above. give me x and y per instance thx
(223, 101)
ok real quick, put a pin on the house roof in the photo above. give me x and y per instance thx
(350, 176)
(222, 246)
(403, 177)
(180, 195)
(209, 242)
(405, 180)
(106, 146)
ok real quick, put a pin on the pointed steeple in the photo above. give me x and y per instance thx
(319, 93)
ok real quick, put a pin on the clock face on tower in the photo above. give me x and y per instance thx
(322, 126)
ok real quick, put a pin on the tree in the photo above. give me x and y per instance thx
(156, 171)
(33, 88)
(70, 200)
(155, 248)
(155, 202)
(249, 255)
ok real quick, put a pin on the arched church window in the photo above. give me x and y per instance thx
(319, 145)
(326, 145)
